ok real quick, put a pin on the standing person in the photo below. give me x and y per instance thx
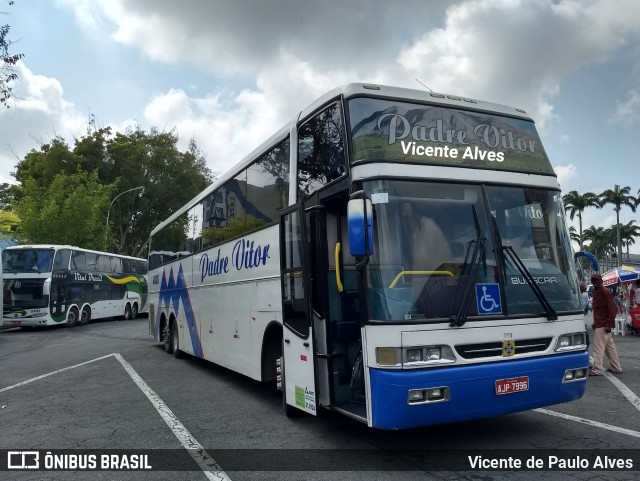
(584, 298)
(604, 320)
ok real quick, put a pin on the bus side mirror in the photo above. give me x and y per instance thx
(360, 222)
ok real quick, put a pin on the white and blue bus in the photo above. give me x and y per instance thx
(398, 256)
(49, 285)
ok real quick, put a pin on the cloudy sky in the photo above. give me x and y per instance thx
(228, 73)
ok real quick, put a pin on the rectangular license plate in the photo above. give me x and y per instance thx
(515, 384)
(16, 323)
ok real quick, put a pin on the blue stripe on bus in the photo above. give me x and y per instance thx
(472, 388)
(171, 293)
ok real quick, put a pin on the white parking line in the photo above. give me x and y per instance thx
(597, 424)
(208, 465)
(28, 381)
(626, 392)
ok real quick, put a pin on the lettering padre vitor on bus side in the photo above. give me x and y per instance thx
(398, 256)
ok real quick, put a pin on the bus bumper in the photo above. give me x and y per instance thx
(25, 322)
(472, 390)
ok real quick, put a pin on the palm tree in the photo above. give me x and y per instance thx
(599, 242)
(618, 197)
(573, 235)
(628, 232)
(575, 204)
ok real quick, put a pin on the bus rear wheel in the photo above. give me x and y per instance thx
(166, 335)
(175, 341)
(85, 317)
(134, 311)
(127, 312)
(72, 317)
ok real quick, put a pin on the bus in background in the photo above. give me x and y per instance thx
(398, 256)
(46, 285)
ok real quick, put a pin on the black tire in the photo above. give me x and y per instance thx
(134, 311)
(289, 411)
(127, 312)
(85, 316)
(167, 339)
(73, 317)
(175, 341)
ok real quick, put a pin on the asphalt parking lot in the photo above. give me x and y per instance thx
(108, 387)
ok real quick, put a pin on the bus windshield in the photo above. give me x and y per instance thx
(27, 260)
(436, 242)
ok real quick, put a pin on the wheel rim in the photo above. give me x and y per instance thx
(72, 317)
(85, 316)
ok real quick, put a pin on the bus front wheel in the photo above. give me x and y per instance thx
(73, 317)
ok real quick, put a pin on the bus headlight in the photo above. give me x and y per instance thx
(428, 355)
(414, 356)
(571, 342)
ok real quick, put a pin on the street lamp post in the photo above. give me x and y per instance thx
(106, 230)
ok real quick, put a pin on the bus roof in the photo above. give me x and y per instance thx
(64, 246)
(348, 91)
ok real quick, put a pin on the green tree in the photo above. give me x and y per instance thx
(599, 242)
(618, 197)
(7, 65)
(170, 179)
(121, 161)
(7, 196)
(573, 235)
(9, 222)
(575, 204)
(42, 166)
(628, 233)
(69, 211)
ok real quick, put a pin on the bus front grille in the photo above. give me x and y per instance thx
(494, 349)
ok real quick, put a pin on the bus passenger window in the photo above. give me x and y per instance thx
(321, 154)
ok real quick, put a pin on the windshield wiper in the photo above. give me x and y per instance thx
(552, 315)
(478, 253)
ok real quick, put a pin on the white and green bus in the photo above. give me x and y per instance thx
(47, 285)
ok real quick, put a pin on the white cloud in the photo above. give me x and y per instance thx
(518, 51)
(39, 113)
(627, 112)
(565, 173)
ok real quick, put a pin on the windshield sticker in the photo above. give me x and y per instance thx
(382, 198)
(488, 299)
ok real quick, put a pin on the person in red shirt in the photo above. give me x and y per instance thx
(604, 320)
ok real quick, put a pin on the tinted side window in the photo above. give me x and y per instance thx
(170, 242)
(268, 186)
(321, 153)
(61, 260)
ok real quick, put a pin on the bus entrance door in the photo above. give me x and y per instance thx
(298, 368)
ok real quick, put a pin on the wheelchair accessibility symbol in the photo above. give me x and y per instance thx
(488, 299)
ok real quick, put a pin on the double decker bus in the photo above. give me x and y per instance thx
(399, 256)
(47, 285)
